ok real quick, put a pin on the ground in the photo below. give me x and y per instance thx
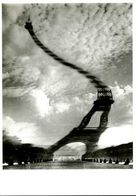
(70, 165)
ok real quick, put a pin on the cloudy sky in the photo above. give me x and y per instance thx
(42, 99)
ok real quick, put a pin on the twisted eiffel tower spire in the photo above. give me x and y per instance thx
(93, 79)
(104, 97)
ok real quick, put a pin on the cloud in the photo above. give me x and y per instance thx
(61, 107)
(22, 130)
(116, 135)
(10, 139)
(11, 13)
(93, 36)
(75, 29)
(78, 146)
(121, 91)
(121, 111)
(41, 101)
(16, 92)
(19, 76)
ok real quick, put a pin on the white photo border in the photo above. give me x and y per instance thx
(70, 182)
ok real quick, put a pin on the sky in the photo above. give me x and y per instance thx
(44, 100)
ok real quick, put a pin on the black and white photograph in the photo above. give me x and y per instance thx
(67, 86)
(67, 97)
